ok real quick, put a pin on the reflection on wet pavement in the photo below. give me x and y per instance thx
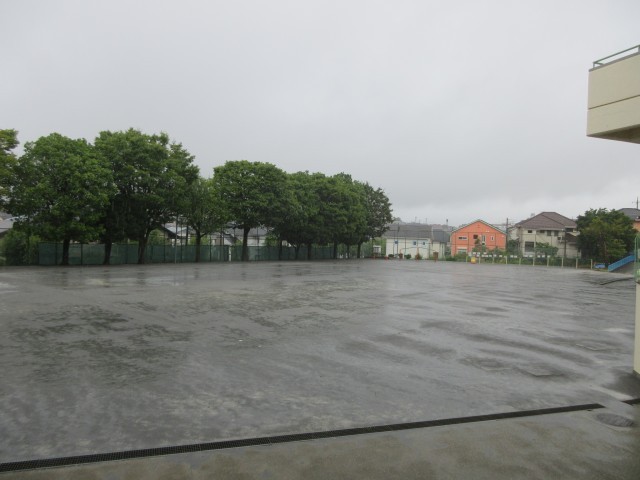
(115, 358)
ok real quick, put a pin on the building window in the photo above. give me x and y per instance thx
(475, 237)
(415, 243)
(493, 238)
(528, 247)
(484, 239)
(529, 231)
(395, 242)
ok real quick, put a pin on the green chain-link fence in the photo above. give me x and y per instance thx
(93, 254)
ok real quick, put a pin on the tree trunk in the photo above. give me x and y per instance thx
(245, 246)
(335, 250)
(309, 250)
(360, 249)
(142, 247)
(108, 244)
(198, 243)
(65, 251)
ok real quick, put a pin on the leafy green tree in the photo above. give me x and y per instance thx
(546, 249)
(151, 176)
(378, 213)
(253, 194)
(348, 216)
(202, 211)
(60, 188)
(478, 247)
(8, 142)
(316, 228)
(297, 227)
(605, 235)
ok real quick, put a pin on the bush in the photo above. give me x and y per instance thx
(19, 249)
(418, 256)
(158, 238)
(407, 256)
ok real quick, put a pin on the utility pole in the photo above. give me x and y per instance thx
(506, 242)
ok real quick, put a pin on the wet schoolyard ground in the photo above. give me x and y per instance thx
(103, 359)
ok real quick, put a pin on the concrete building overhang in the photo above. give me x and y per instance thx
(614, 97)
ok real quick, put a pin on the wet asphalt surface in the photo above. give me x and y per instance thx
(100, 359)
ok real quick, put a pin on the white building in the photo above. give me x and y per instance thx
(549, 228)
(614, 114)
(416, 239)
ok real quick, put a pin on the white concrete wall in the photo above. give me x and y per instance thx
(636, 355)
(405, 246)
(523, 236)
(614, 100)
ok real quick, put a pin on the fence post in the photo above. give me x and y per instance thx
(562, 262)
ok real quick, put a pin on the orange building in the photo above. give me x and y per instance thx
(476, 235)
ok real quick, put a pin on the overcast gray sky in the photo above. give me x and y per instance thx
(458, 110)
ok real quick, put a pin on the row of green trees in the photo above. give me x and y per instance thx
(605, 235)
(127, 184)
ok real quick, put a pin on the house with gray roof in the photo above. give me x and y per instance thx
(416, 238)
(549, 228)
(634, 215)
(6, 224)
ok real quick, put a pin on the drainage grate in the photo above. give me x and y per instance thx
(250, 442)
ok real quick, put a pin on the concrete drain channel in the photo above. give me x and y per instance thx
(610, 419)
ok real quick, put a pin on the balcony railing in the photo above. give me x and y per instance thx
(616, 56)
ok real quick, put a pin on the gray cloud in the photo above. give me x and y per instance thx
(459, 111)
